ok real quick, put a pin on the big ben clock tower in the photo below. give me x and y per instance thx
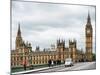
(88, 36)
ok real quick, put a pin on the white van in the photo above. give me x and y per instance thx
(68, 62)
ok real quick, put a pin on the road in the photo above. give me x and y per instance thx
(77, 66)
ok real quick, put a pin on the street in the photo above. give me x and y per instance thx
(77, 66)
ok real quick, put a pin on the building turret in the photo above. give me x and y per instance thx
(37, 49)
(19, 40)
(60, 49)
(72, 50)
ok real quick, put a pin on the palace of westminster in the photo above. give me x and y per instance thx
(23, 52)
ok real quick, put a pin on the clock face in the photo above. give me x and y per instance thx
(88, 31)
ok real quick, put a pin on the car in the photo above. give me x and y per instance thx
(68, 62)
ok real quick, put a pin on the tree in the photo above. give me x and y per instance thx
(94, 57)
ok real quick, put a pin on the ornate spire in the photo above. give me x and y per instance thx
(19, 41)
(19, 31)
(88, 19)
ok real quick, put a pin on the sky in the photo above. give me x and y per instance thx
(43, 23)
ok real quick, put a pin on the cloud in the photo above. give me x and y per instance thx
(43, 23)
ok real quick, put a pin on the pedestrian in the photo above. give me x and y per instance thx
(24, 66)
(49, 63)
(52, 63)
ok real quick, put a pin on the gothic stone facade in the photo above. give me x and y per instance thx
(23, 53)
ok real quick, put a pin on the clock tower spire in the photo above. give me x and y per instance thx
(88, 19)
(88, 39)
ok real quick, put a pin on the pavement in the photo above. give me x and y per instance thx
(35, 70)
(61, 68)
